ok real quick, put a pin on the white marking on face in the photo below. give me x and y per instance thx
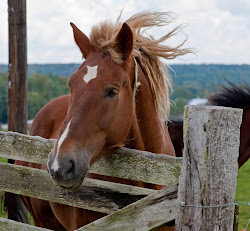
(91, 73)
(55, 165)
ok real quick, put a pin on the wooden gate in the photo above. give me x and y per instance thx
(207, 182)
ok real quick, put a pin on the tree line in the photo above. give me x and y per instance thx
(198, 81)
(41, 90)
(189, 81)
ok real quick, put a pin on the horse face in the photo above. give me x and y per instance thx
(100, 112)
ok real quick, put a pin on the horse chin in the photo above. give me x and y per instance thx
(72, 188)
(70, 185)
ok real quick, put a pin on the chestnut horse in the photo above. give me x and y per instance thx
(118, 97)
(231, 96)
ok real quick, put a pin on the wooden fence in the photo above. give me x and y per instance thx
(207, 182)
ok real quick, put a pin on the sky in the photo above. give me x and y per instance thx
(218, 30)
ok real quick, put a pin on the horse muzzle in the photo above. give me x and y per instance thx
(67, 172)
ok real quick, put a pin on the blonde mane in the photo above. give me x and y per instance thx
(146, 50)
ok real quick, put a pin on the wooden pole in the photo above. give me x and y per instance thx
(17, 78)
(209, 171)
(18, 87)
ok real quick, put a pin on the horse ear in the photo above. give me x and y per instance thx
(124, 41)
(82, 41)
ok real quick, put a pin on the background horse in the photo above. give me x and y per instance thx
(118, 97)
(236, 97)
(227, 96)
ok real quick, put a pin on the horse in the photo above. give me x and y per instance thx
(118, 97)
(236, 97)
(175, 129)
(228, 96)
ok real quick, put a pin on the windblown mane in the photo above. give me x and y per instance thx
(232, 96)
(147, 51)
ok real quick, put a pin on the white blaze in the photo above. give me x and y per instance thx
(55, 165)
(91, 73)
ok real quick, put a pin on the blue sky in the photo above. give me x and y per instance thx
(219, 30)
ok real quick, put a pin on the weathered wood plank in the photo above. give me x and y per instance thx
(9, 225)
(101, 196)
(126, 163)
(210, 168)
(140, 166)
(34, 149)
(145, 214)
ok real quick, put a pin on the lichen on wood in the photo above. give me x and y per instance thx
(125, 163)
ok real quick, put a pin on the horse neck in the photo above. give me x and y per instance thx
(147, 131)
(244, 152)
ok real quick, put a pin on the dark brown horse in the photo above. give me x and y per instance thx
(236, 97)
(227, 96)
(175, 129)
(118, 97)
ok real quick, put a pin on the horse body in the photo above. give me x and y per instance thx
(244, 137)
(175, 129)
(104, 111)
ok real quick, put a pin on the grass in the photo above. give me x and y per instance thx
(243, 195)
(2, 212)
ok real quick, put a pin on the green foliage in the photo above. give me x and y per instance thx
(242, 194)
(193, 81)
(43, 89)
(3, 97)
(177, 109)
(190, 81)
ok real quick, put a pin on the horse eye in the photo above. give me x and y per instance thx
(111, 92)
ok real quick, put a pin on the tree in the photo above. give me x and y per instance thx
(3, 97)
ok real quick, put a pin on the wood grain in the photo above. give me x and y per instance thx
(210, 168)
(101, 196)
(9, 225)
(145, 214)
(17, 71)
(126, 163)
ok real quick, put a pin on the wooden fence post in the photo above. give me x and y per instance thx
(210, 168)
(17, 93)
(17, 77)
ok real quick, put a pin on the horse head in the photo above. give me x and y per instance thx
(100, 112)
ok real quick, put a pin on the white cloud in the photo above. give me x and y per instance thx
(3, 33)
(218, 29)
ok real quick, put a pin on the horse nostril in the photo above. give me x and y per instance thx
(69, 172)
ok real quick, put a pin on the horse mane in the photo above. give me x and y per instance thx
(231, 96)
(146, 50)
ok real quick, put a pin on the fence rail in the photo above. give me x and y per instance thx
(126, 163)
(100, 196)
